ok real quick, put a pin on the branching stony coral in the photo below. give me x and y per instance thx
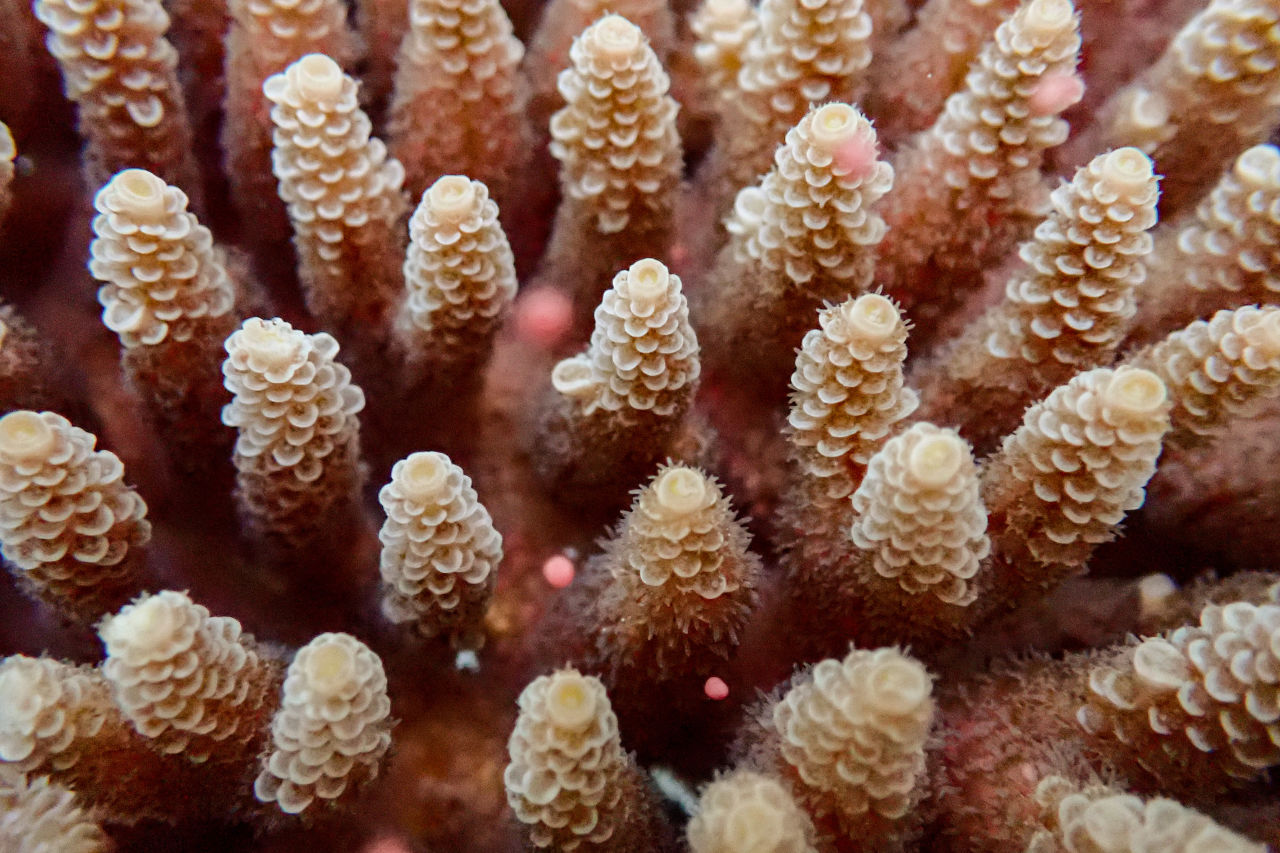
(1100, 404)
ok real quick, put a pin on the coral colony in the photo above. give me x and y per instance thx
(816, 426)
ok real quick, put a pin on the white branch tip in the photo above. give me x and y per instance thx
(571, 703)
(1127, 169)
(140, 193)
(330, 668)
(1046, 18)
(423, 475)
(1135, 391)
(617, 37)
(319, 77)
(451, 197)
(937, 459)
(681, 491)
(25, 435)
(647, 281)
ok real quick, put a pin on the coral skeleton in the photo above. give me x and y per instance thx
(801, 54)
(568, 780)
(121, 72)
(1064, 480)
(969, 187)
(333, 728)
(620, 161)
(191, 683)
(848, 737)
(1222, 255)
(459, 277)
(679, 565)
(1216, 371)
(615, 409)
(297, 454)
(458, 103)
(264, 38)
(440, 551)
(343, 193)
(39, 816)
(27, 375)
(1195, 707)
(1099, 818)
(1212, 93)
(806, 234)
(70, 528)
(1068, 310)
(167, 295)
(746, 812)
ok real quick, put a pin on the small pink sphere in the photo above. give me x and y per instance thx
(1054, 93)
(857, 156)
(715, 688)
(543, 317)
(558, 571)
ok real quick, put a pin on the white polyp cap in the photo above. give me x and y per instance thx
(681, 490)
(936, 459)
(19, 699)
(451, 197)
(271, 344)
(727, 10)
(1158, 663)
(834, 124)
(319, 78)
(330, 667)
(1265, 333)
(573, 377)
(423, 475)
(139, 193)
(1259, 166)
(647, 281)
(150, 624)
(1148, 109)
(898, 686)
(25, 435)
(571, 701)
(1047, 17)
(871, 317)
(1135, 391)
(749, 204)
(752, 825)
(616, 37)
(1127, 169)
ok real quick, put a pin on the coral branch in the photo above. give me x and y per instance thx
(39, 816)
(69, 525)
(747, 812)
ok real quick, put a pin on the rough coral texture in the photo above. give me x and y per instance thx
(1223, 255)
(167, 295)
(1100, 819)
(746, 812)
(917, 72)
(617, 406)
(39, 816)
(440, 550)
(333, 728)
(298, 448)
(681, 582)
(1217, 371)
(1196, 708)
(343, 193)
(27, 377)
(1063, 481)
(458, 105)
(264, 38)
(1217, 85)
(969, 187)
(802, 54)
(806, 234)
(191, 683)
(568, 780)
(620, 160)
(920, 519)
(70, 527)
(459, 277)
(850, 737)
(121, 72)
(1067, 310)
